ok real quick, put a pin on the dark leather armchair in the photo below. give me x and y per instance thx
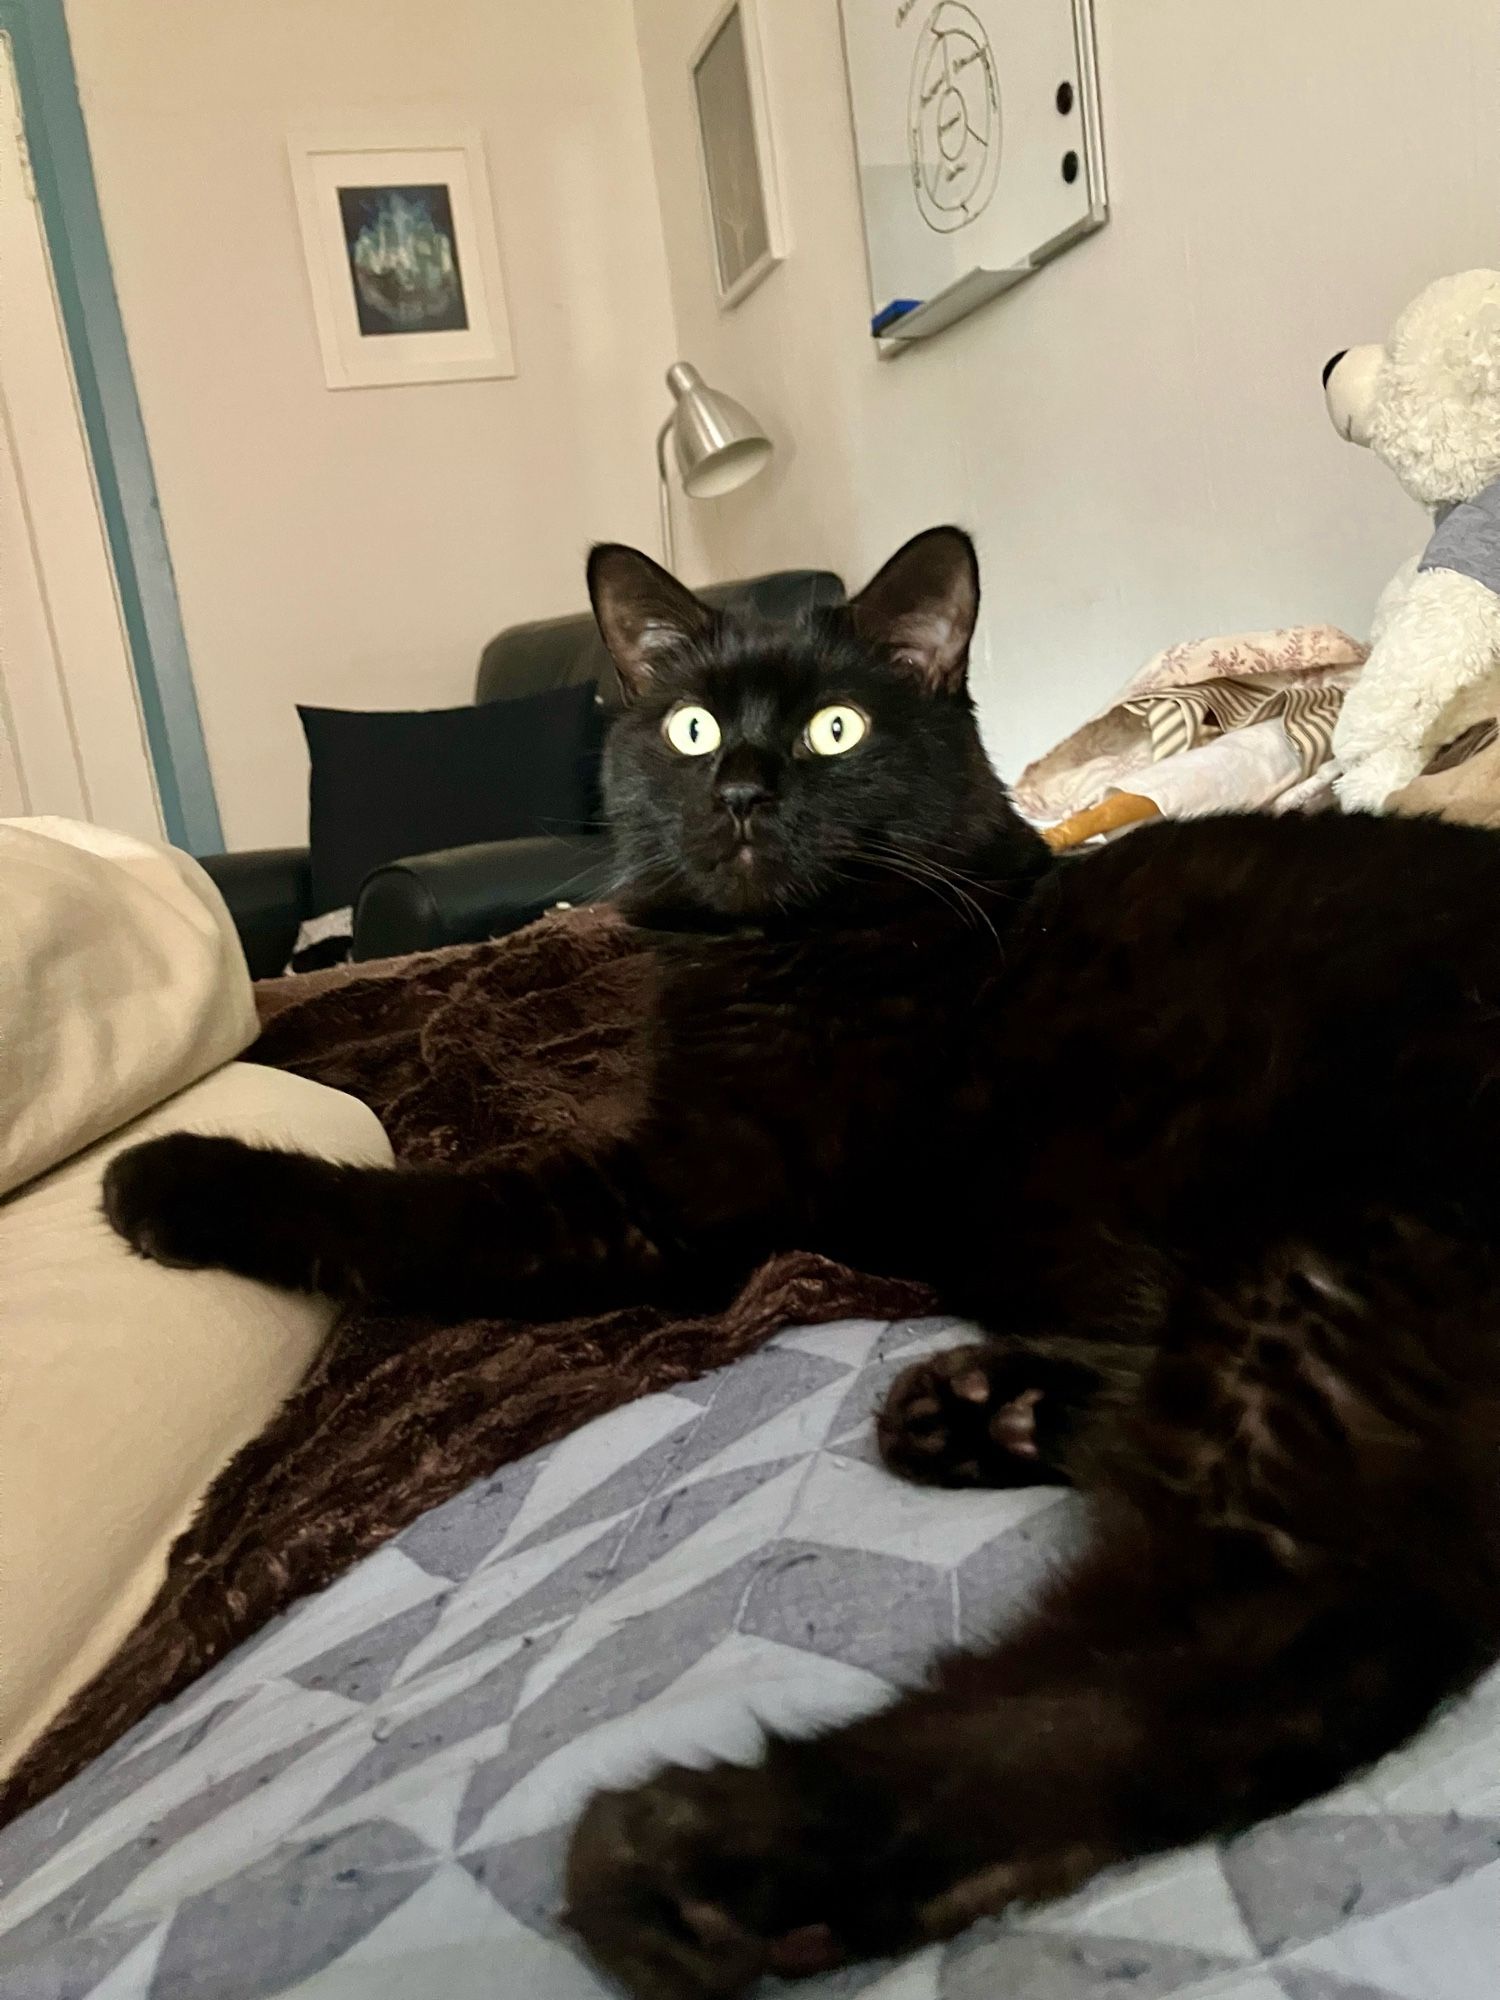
(462, 894)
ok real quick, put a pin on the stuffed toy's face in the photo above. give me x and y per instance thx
(1428, 402)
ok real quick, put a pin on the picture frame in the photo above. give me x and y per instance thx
(403, 261)
(736, 157)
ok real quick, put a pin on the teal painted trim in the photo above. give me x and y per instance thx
(63, 171)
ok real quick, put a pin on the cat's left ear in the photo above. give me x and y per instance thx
(644, 613)
(923, 605)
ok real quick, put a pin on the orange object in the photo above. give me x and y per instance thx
(1119, 809)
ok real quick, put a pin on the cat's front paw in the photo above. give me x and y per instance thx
(178, 1200)
(692, 1886)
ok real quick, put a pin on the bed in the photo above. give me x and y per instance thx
(370, 1797)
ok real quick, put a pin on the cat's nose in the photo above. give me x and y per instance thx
(741, 796)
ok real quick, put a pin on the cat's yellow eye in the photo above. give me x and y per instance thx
(692, 731)
(832, 731)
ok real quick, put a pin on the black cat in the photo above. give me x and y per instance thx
(1203, 1129)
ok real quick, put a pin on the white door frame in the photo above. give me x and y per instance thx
(62, 169)
(77, 741)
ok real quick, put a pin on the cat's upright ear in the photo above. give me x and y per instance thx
(922, 606)
(644, 613)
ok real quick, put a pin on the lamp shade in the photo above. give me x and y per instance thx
(718, 444)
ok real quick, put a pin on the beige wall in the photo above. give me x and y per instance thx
(356, 548)
(1137, 438)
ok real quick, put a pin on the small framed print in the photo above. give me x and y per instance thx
(734, 148)
(403, 261)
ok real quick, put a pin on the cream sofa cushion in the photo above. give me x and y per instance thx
(125, 1388)
(121, 980)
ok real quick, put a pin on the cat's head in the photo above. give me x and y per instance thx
(759, 767)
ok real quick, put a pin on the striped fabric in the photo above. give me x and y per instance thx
(1181, 718)
(1115, 743)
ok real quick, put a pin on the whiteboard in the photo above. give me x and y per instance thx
(976, 128)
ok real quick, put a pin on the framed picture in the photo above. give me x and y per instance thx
(402, 260)
(734, 148)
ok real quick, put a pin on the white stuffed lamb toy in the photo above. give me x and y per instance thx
(1428, 403)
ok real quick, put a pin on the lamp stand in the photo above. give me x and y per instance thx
(664, 495)
(719, 445)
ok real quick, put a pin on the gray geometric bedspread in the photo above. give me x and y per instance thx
(368, 1801)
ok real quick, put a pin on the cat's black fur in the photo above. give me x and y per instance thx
(1204, 1129)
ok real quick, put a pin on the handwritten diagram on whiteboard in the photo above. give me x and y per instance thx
(953, 119)
(976, 126)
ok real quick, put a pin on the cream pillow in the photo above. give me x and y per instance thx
(125, 1388)
(121, 981)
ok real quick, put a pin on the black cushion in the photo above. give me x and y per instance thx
(389, 784)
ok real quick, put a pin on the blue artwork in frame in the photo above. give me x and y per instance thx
(403, 259)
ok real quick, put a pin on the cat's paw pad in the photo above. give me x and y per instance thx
(967, 1417)
(175, 1199)
(692, 1886)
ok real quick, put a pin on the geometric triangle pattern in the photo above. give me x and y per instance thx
(372, 1796)
(1325, 1986)
(1298, 1878)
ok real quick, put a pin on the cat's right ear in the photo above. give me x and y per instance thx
(644, 614)
(921, 608)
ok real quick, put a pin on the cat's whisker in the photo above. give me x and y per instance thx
(941, 875)
(980, 884)
(956, 900)
(638, 877)
(559, 890)
(918, 880)
(933, 874)
(931, 848)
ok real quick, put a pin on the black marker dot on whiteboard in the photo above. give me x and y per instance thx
(1070, 167)
(1065, 97)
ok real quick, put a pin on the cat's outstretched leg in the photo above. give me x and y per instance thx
(1159, 1700)
(569, 1235)
(1296, 1559)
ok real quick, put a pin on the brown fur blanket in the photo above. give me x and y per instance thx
(486, 1052)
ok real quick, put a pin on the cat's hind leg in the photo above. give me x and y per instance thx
(991, 1413)
(1170, 1689)
(1294, 1562)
